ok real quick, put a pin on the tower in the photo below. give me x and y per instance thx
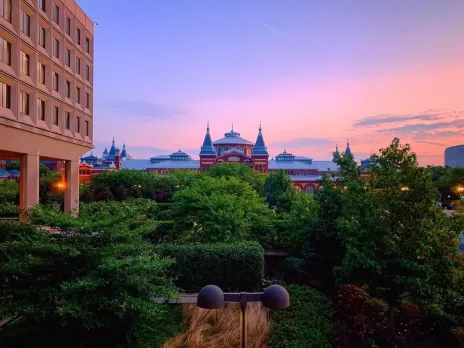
(207, 153)
(348, 150)
(259, 154)
(335, 153)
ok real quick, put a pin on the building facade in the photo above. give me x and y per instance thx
(46, 90)
(454, 156)
(232, 148)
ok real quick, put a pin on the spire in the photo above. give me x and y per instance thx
(207, 147)
(232, 126)
(124, 152)
(260, 147)
(335, 153)
(348, 150)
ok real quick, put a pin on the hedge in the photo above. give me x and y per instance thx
(232, 267)
(307, 323)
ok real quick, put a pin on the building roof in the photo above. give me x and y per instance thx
(141, 164)
(260, 147)
(232, 138)
(207, 147)
(321, 166)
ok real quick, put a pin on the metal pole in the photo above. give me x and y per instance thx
(243, 306)
(243, 336)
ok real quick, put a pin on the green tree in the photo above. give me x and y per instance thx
(397, 241)
(217, 210)
(279, 191)
(15, 165)
(242, 172)
(89, 285)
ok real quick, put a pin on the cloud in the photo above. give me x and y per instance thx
(430, 142)
(426, 127)
(142, 108)
(304, 143)
(388, 118)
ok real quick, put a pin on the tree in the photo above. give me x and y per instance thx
(279, 191)
(217, 210)
(242, 172)
(89, 285)
(15, 165)
(397, 241)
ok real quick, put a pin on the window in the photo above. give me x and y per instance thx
(67, 57)
(55, 115)
(56, 48)
(41, 109)
(78, 36)
(78, 65)
(87, 72)
(25, 23)
(87, 45)
(41, 36)
(55, 81)
(42, 5)
(87, 100)
(67, 119)
(24, 103)
(41, 72)
(68, 26)
(5, 51)
(5, 95)
(5, 9)
(56, 14)
(78, 124)
(24, 63)
(87, 128)
(78, 93)
(68, 89)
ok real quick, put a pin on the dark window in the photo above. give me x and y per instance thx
(55, 115)
(24, 103)
(87, 45)
(42, 5)
(5, 51)
(25, 23)
(78, 97)
(67, 57)
(56, 14)
(41, 71)
(68, 26)
(87, 72)
(78, 124)
(78, 65)
(55, 81)
(67, 119)
(68, 89)
(87, 128)
(87, 100)
(78, 36)
(41, 109)
(41, 36)
(56, 48)
(5, 9)
(24, 63)
(5, 95)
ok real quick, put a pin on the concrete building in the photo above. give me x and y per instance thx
(46, 90)
(454, 156)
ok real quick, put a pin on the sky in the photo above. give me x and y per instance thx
(315, 73)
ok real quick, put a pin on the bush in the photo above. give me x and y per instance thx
(84, 287)
(9, 191)
(8, 210)
(164, 232)
(306, 323)
(232, 267)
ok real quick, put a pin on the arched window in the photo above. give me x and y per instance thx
(309, 189)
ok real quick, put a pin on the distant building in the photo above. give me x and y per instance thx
(454, 156)
(304, 171)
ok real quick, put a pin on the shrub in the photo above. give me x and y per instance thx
(237, 266)
(83, 287)
(9, 191)
(306, 323)
(9, 210)
(164, 232)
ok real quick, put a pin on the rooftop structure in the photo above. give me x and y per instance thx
(454, 156)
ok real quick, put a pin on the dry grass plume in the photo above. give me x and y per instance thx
(220, 328)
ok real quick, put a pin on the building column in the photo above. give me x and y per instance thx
(71, 193)
(28, 182)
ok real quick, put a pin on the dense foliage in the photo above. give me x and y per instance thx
(305, 324)
(88, 285)
(232, 267)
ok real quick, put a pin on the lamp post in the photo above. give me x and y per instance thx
(212, 297)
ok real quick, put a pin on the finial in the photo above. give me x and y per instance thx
(260, 126)
(113, 140)
(336, 147)
(207, 126)
(232, 126)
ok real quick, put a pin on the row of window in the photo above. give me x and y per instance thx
(5, 12)
(5, 101)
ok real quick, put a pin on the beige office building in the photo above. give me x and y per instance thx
(46, 90)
